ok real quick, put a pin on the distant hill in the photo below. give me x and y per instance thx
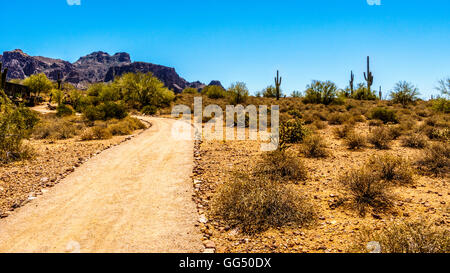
(95, 67)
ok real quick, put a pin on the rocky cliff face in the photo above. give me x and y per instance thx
(95, 67)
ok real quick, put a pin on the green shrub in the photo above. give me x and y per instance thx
(149, 110)
(64, 110)
(214, 92)
(105, 111)
(404, 93)
(238, 93)
(257, 204)
(442, 105)
(190, 90)
(292, 131)
(16, 124)
(385, 115)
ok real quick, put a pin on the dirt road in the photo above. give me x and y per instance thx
(136, 197)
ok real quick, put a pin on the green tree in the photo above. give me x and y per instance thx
(404, 93)
(238, 93)
(363, 93)
(38, 83)
(143, 89)
(270, 92)
(323, 92)
(214, 92)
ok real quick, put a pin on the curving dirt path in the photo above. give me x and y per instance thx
(136, 197)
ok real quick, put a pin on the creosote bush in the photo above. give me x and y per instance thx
(355, 141)
(343, 131)
(381, 138)
(435, 159)
(366, 189)
(405, 237)
(281, 166)
(256, 204)
(392, 168)
(292, 131)
(417, 141)
(385, 115)
(314, 147)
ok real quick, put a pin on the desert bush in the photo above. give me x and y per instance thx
(256, 204)
(363, 93)
(314, 147)
(190, 90)
(392, 168)
(355, 141)
(56, 129)
(295, 113)
(320, 125)
(416, 141)
(64, 110)
(39, 83)
(105, 111)
(214, 92)
(125, 127)
(395, 131)
(337, 119)
(281, 166)
(435, 159)
(366, 189)
(269, 92)
(343, 131)
(405, 237)
(95, 133)
(292, 131)
(385, 115)
(149, 110)
(16, 124)
(380, 137)
(442, 105)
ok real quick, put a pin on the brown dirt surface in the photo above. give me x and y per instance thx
(336, 227)
(134, 197)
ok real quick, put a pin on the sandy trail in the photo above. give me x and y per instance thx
(136, 197)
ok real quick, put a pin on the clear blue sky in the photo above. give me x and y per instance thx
(246, 40)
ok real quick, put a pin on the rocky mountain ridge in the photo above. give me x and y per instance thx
(96, 67)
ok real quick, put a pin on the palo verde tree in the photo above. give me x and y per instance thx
(39, 84)
(404, 93)
(323, 92)
(238, 93)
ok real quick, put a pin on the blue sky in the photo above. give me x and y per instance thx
(246, 40)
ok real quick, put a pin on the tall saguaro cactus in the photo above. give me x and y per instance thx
(3, 77)
(278, 80)
(369, 75)
(381, 94)
(352, 80)
(59, 81)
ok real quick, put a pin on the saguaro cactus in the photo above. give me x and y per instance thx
(381, 94)
(352, 80)
(369, 75)
(278, 80)
(59, 81)
(3, 77)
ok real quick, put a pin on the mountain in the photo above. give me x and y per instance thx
(95, 67)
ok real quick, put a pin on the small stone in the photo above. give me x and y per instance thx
(209, 251)
(202, 219)
(209, 244)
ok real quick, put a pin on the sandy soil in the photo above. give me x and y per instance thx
(336, 228)
(136, 197)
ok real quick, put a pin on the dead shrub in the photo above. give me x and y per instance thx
(416, 141)
(281, 166)
(381, 138)
(343, 131)
(392, 168)
(435, 159)
(314, 147)
(96, 133)
(366, 189)
(337, 119)
(256, 204)
(405, 237)
(355, 141)
(56, 129)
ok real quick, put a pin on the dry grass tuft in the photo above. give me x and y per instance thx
(281, 166)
